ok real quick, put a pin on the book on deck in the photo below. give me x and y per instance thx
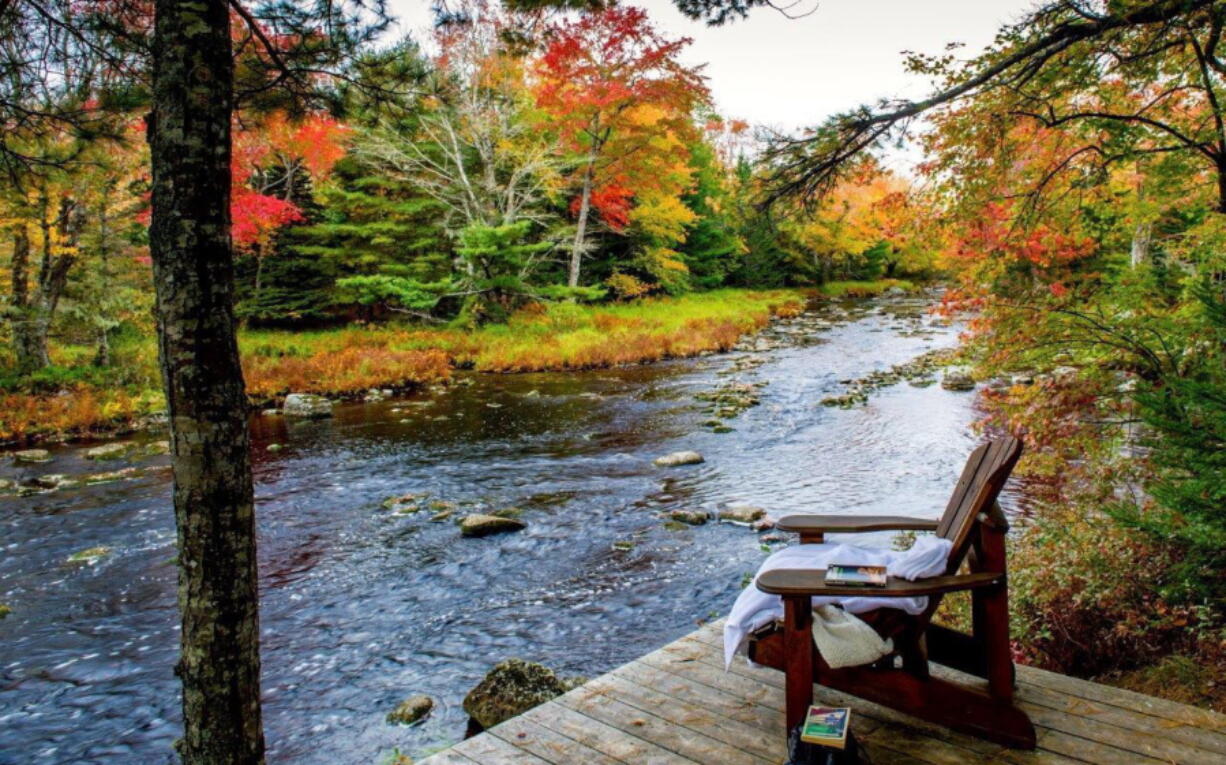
(826, 726)
(855, 576)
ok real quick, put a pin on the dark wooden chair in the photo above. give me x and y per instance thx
(975, 524)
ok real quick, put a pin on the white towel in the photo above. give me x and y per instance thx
(754, 608)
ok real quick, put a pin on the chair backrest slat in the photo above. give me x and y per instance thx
(981, 482)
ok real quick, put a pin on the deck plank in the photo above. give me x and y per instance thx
(678, 706)
(598, 735)
(524, 732)
(485, 749)
(676, 738)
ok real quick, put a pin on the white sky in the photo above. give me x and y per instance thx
(790, 73)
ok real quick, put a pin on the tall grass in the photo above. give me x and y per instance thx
(75, 400)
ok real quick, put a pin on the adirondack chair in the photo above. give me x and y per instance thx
(975, 524)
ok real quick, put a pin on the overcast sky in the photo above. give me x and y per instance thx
(790, 73)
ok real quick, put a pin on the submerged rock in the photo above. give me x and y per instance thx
(89, 556)
(511, 688)
(108, 477)
(7, 485)
(679, 458)
(49, 482)
(306, 405)
(483, 525)
(411, 710)
(32, 455)
(741, 514)
(112, 451)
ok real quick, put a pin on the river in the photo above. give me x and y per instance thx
(362, 607)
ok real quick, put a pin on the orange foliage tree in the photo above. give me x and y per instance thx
(622, 103)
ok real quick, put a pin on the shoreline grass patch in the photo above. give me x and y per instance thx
(348, 361)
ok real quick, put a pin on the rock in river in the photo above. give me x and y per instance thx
(32, 455)
(411, 710)
(111, 451)
(511, 688)
(307, 405)
(741, 513)
(957, 381)
(484, 525)
(90, 556)
(690, 517)
(678, 458)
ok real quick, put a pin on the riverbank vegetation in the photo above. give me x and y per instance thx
(75, 399)
(1084, 223)
(462, 202)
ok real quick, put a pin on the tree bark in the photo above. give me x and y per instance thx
(1221, 183)
(1138, 253)
(585, 204)
(193, 269)
(29, 330)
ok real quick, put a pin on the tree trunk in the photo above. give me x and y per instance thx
(193, 270)
(102, 357)
(1221, 183)
(1141, 236)
(585, 204)
(29, 332)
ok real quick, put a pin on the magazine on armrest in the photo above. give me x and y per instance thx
(855, 576)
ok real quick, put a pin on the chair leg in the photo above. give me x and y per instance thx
(798, 650)
(990, 610)
(914, 652)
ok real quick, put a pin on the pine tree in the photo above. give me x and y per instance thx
(712, 249)
(365, 225)
(1188, 447)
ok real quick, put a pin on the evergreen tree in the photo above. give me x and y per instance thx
(712, 249)
(367, 225)
(1188, 417)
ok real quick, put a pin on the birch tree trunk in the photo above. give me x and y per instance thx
(585, 204)
(193, 269)
(1139, 251)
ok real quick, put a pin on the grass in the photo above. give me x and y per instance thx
(862, 289)
(75, 399)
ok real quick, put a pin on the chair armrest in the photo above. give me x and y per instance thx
(785, 581)
(816, 524)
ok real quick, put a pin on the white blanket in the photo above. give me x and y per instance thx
(754, 608)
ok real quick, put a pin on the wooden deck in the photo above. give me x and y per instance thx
(678, 706)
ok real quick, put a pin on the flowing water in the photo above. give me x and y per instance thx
(363, 607)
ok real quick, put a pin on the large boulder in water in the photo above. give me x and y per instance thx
(411, 710)
(511, 688)
(679, 458)
(306, 405)
(745, 514)
(111, 451)
(958, 381)
(32, 455)
(483, 525)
